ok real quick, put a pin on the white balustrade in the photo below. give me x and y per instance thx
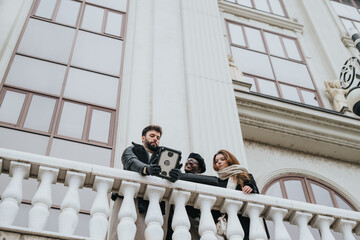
(323, 224)
(70, 206)
(42, 199)
(127, 214)
(49, 170)
(277, 215)
(257, 230)
(100, 210)
(345, 227)
(302, 219)
(207, 227)
(12, 196)
(180, 222)
(234, 229)
(154, 219)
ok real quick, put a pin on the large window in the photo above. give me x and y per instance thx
(63, 81)
(348, 12)
(270, 6)
(272, 63)
(306, 189)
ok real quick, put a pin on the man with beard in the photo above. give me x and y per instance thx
(141, 159)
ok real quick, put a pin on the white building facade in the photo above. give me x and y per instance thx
(80, 79)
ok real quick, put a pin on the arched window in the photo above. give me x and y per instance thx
(306, 189)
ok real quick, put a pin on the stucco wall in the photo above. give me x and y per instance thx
(267, 162)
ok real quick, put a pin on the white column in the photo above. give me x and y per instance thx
(42, 199)
(301, 219)
(257, 231)
(210, 93)
(127, 214)
(98, 224)
(207, 227)
(323, 224)
(12, 196)
(154, 219)
(277, 216)
(180, 222)
(70, 206)
(345, 227)
(234, 229)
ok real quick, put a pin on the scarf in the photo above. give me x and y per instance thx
(231, 172)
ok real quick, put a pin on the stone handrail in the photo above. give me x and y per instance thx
(76, 175)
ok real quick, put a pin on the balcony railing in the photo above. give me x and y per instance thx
(77, 175)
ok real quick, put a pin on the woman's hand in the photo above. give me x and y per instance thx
(247, 189)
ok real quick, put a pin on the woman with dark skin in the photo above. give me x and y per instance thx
(232, 176)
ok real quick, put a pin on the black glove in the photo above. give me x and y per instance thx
(180, 166)
(153, 169)
(174, 174)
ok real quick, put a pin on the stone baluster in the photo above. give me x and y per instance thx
(345, 227)
(127, 215)
(207, 227)
(234, 229)
(12, 196)
(257, 231)
(42, 199)
(70, 206)
(180, 222)
(154, 219)
(323, 224)
(357, 230)
(277, 216)
(301, 219)
(98, 224)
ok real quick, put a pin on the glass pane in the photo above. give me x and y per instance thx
(236, 33)
(23, 141)
(100, 126)
(68, 12)
(292, 72)
(322, 195)
(252, 82)
(348, 24)
(262, 5)
(80, 152)
(40, 38)
(252, 62)
(114, 24)
(119, 5)
(342, 204)
(36, 75)
(267, 87)
(254, 39)
(98, 53)
(275, 190)
(346, 10)
(291, 49)
(276, 7)
(309, 98)
(245, 3)
(45, 8)
(11, 106)
(295, 190)
(92, 87)
(290, 93)
(40, 113)
(72, 120)
(93, 18)
(274, 44)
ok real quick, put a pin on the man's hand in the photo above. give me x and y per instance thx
(153, 169)
(174, 174)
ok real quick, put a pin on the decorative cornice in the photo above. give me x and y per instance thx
(260, 16)
(299, 127)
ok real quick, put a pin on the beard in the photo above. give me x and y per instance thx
(150, 146)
